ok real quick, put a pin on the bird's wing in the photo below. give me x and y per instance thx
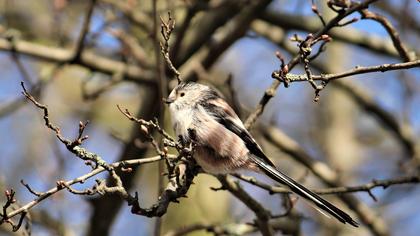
(224, 114)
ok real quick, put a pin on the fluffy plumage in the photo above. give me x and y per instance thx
(223, 145)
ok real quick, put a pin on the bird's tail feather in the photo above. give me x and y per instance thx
(297, 188)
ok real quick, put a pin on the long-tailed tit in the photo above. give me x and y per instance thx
(223, 145)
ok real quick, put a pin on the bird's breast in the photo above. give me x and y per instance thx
(182, 120)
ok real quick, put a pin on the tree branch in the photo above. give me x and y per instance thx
(262, 214)
(80, 43)
(288, 22)
(356, 71)
(87, 59)
(272, 189)
(81, 179)
(393, 34)
(270, 92)
(327, 175)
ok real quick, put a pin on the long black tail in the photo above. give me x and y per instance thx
(297, 188)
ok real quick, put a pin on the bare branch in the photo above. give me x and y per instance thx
(146, 125)
(200, 41)
(314, 9)
(393, 33)
(166, 30)
(401, 132)
(5, 217)
(327, 175)
(87, 59)
(356, 71)
(30, 189)
(139, 18)
(177, 187)
(72, 146)
(80, 44)
(81, 179)
(134, 47)
(337, 190)
(270, 92)
(49, 125)
(286, 226)
(262, 214)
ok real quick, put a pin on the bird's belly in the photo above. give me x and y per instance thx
(215, 164)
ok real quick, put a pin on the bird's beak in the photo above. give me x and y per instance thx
(168, 100)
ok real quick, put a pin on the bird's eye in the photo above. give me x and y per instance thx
(182, 94)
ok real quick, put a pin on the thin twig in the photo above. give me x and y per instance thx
(314, 9)
(166, 30)
(82, 179)
(163, 91)
(270, 92)
(336, 190)
(43, 107)
(80, 44)
(356, 71)
(30, 189)
(393, 34)
(262, 214)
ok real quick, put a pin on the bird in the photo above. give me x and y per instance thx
(222, 144)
